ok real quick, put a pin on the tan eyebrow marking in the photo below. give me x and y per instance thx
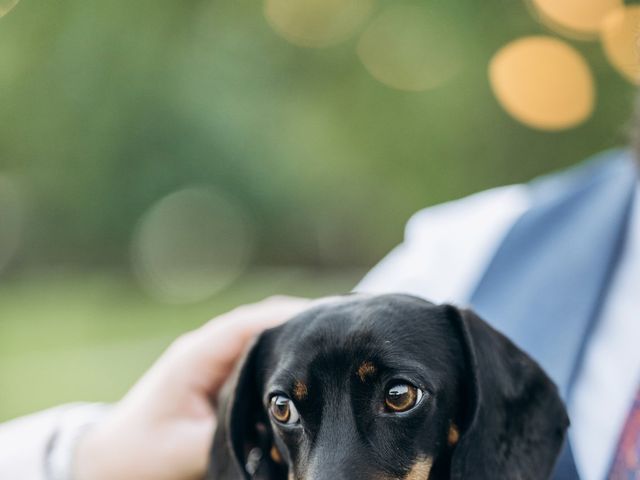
(366, 369)
(421, 469)
(454, 435)
(300, 390)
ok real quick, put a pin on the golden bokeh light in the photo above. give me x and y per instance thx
(6, 6)
(412, 48)
(620, 35)
(543, 82)
(190, 245)
(316, 23)
(578, 18)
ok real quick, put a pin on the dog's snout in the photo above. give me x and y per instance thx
(345, 470)
(338, 455)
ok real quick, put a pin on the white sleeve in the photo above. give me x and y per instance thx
(447, 247)
(40, 446)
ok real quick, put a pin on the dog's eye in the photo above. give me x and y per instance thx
(283, 410)
(401, 397)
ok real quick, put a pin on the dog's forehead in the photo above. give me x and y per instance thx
(362, 327)
(350, 316)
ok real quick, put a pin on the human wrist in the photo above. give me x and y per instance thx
(73, 425)
(88, 459)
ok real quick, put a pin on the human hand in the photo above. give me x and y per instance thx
(163, 428)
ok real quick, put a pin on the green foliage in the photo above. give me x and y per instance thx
(105, 107)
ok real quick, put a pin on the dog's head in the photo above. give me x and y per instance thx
(387, 387)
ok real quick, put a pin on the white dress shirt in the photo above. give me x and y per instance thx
(445, 252)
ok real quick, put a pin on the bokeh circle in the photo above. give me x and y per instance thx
(6, 6)
(316, 23)
(620, 35)
(411, 47)
(191, 244)
(576, 18)
(543, 82)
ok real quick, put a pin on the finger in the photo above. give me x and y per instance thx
(265, 314)
(215, 347)
(197, 447)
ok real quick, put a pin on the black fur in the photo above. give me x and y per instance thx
(511, 420)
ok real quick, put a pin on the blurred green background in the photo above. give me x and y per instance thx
(164, 161)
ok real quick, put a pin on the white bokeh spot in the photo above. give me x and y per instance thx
(191, 244)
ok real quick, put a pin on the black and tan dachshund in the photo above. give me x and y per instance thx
(387, 387)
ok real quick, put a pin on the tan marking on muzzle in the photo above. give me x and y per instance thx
(454, 435)
(275, 454)
(367, 369)
(421, 469)
(300, 391)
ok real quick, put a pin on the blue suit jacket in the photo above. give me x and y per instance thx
(546, 284)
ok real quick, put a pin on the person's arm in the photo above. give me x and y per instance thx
(161, 430)
(35, 447)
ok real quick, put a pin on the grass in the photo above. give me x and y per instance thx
(87, 337)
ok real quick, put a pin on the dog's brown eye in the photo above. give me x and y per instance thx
(401, 397)
(283, 410)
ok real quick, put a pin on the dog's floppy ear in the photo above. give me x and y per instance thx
(242, 438)
(515, 419)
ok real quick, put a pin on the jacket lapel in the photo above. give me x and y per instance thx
(546, 282)
(545, 286)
